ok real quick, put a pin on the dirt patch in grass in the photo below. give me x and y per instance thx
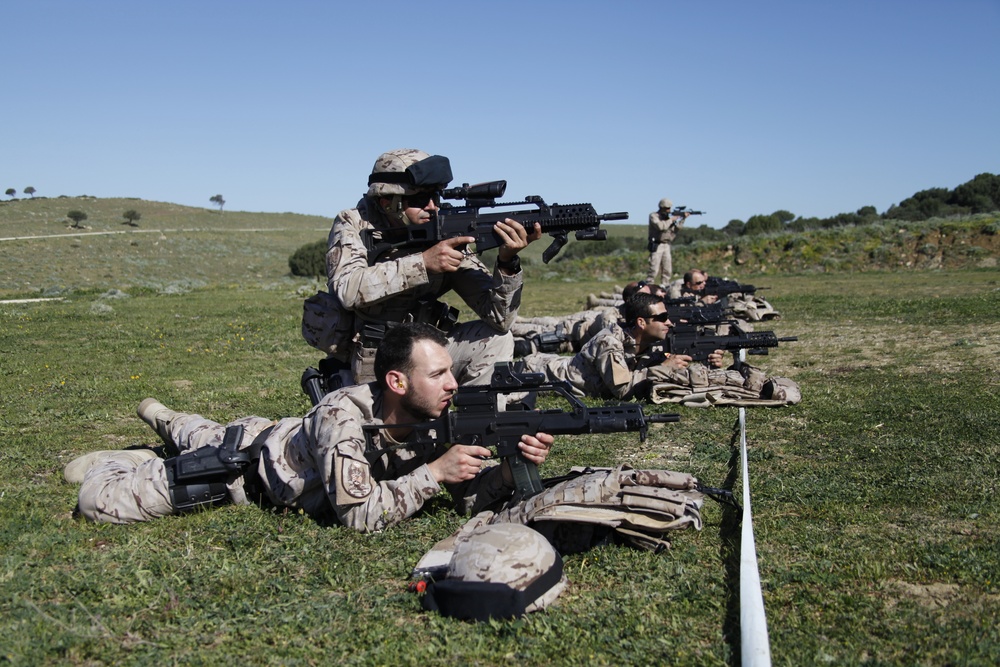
(931, 596)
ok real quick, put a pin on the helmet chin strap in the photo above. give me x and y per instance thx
(394, 210)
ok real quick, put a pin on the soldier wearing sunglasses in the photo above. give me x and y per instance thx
(616, 363)
(406, 286)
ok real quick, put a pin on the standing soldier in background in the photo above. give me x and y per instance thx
(663, 228)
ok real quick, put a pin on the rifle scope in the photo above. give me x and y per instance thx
(488, 190)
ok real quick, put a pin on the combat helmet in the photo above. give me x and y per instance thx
(402, 172)
(497, 571)
(407, 171)
(666, 203)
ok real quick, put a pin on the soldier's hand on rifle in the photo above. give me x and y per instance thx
(536, 448)
(446, 256)
(677, 362)
(715, 359)
(459, 463)
(515, 237)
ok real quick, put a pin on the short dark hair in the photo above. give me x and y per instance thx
(395, 352)
(689, 276)
(639, 305)
(632, 288)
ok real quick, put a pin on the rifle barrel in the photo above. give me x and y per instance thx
(620, 215)
(663, 418)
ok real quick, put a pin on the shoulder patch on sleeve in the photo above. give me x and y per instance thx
(354, 480)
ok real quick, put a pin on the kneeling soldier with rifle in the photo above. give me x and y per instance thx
(393, 257)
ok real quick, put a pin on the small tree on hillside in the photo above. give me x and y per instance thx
(218, 201)
(30, 191)
(77, 217)
(11, 192)
(131, 216)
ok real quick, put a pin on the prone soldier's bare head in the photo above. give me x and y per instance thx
(413, 368)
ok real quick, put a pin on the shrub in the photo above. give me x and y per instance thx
(309, 260)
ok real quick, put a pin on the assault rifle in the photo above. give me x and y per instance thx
(698, 343)
(477, 419)
(682, 210)
(688, 313)
(546, 341)
(471, 220)
(721, 287)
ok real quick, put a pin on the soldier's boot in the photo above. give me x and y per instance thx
(592, 301)
(77, 469)
(158, 416)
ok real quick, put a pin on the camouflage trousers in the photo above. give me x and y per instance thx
(117, 492)
(474, 348)
(661, 265)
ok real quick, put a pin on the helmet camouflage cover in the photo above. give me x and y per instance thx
(498, 571)
(666, 203)
(406, 171)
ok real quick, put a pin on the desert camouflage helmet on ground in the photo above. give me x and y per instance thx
(498, 571)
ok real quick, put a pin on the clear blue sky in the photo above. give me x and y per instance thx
(735, 108)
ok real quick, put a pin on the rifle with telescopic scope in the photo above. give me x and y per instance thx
(476, 218)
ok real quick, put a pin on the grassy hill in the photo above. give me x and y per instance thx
(969, 242)
(875, 499)
(173, 247)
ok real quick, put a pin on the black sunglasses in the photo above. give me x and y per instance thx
(421, 199)
(659, 317)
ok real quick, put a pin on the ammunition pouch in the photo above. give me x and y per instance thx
(436, 313)
(200, 477)
(429, 311)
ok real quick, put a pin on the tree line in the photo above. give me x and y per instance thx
(979, 195)
(30, 191)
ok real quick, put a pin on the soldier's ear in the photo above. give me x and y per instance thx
(396, 382)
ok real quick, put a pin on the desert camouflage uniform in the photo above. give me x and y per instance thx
(603, 368)
(392, 289)
(662, 232)
(577, 328)
(315, 463)
(607, 367)
(751, 308)
(676, 289)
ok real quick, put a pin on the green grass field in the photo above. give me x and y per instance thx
(875, 499)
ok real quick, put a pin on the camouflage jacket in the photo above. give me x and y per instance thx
(390, 290)
(603, 368)
(663, 229)
(317, 463)
(579, 327)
